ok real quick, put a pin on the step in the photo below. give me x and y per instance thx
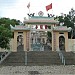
(69, 58)
(43, 57)
(15, 58)
(34, 58)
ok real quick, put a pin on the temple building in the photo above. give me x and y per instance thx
(39, 41)
(40, 33)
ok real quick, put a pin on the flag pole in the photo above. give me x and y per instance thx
(28, 6)
(29, 12)
(52, 8)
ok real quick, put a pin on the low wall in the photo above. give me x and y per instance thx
(71, 44)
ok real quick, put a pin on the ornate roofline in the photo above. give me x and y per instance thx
(41, 20)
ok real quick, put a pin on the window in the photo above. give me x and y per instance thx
(20, 32)
(61, 33)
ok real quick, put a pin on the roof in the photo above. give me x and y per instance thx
(19, 27)
(61, 28)
(41, 20)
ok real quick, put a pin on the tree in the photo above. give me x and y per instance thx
(68, 20)
(5, 36)
(7, 21)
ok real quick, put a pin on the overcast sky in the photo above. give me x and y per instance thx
(17, 9)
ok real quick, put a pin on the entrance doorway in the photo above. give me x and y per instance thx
(20, 46)
(62, 43)
(40, 41)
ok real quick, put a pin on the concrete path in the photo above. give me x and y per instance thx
(37, 70)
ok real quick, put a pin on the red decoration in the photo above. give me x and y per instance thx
(45, 26)
(36, 26)
(41, 26)
(48, 7)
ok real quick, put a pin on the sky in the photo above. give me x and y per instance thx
(17, 9)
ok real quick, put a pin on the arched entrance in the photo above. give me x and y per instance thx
(20, 46)
(49, 41)
(41, 41)
(62, 43)
(37, 40)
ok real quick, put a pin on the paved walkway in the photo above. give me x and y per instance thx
(37, 70)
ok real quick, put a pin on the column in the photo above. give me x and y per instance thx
(24, 36)
(15, 41)
(28, 40)
(66, 41)
(52, 42)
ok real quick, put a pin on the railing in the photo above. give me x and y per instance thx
(3, 56)
(62, 58)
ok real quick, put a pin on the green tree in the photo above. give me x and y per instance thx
(68, 20)
(7, 21)
(5, 36)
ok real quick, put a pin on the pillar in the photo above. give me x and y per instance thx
(52, 42)
(24, 40)
(15, 41)
(66, 40)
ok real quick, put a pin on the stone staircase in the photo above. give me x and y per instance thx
(38, 58)
(33, 58)
(69, 58)
(15, 59)
(43, 58)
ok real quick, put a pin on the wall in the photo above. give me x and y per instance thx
(26, 35)
(55, 40)
(15, 41)
(71, 45)
(66, 41)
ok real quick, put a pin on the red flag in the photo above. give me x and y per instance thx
(45, 26)
(28, 5)
(36, 26)
(41, 26)
(48, 7)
